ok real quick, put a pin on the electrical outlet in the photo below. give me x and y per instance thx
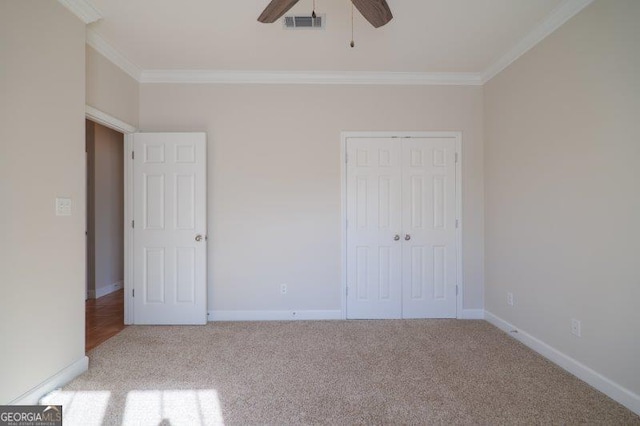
(576, 327)
(283, 289)
(63, 206)
(510, 299)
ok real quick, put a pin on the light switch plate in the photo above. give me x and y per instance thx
(63, 206)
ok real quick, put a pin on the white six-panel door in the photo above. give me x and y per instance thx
(374, 224)
(170, 250)
(428, 226)
(401, 227)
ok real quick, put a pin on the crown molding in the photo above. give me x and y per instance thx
(309, 77)
(82, 9)
(94, 40)
(561, 14)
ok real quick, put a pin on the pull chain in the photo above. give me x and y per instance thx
(352, 44)
(313, 14)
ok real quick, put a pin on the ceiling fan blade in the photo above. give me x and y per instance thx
(275, 10)
(377, 12)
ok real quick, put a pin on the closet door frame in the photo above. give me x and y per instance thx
(457, 137)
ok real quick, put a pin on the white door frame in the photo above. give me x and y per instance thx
(111, 122)
(343, 200)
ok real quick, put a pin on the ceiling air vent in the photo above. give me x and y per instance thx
(304, 22)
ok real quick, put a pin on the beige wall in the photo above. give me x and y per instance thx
(563, 190)
(274, 179)
(105, 172)
(42, 156)
(111, 90)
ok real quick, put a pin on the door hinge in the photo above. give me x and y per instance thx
(456, 157)
(456, 290)
(457, 223)
(133, 292)
(347, 291)
(133, 223)
(133, 155)
(346, 158)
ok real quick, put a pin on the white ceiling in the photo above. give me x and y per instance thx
(425, 36)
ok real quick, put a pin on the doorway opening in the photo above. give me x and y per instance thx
(104, 307)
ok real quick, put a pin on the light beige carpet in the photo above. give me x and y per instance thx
(332, 372)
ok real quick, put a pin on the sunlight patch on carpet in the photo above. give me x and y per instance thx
(174, 407)
(80, 407)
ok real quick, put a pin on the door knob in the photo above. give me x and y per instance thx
(198, 238)
(396, 238)
(407, 237)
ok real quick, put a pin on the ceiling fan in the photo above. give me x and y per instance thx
(377, 12)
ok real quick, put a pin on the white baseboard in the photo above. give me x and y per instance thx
(472, 314)
(105, 289)
(273, 315)
(303, 315)
(59, 379)
(608, 387)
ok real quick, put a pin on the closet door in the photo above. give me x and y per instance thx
(428, 226)
(374, 245)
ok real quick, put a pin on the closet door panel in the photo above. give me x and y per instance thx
(373, 220)
(428, 221)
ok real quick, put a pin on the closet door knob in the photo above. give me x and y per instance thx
(396, 238)
(407, 237)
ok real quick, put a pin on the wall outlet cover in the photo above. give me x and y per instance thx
(510, 299)
(576, 327)
(63, 206)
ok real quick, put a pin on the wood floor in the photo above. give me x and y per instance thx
(104, 318)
